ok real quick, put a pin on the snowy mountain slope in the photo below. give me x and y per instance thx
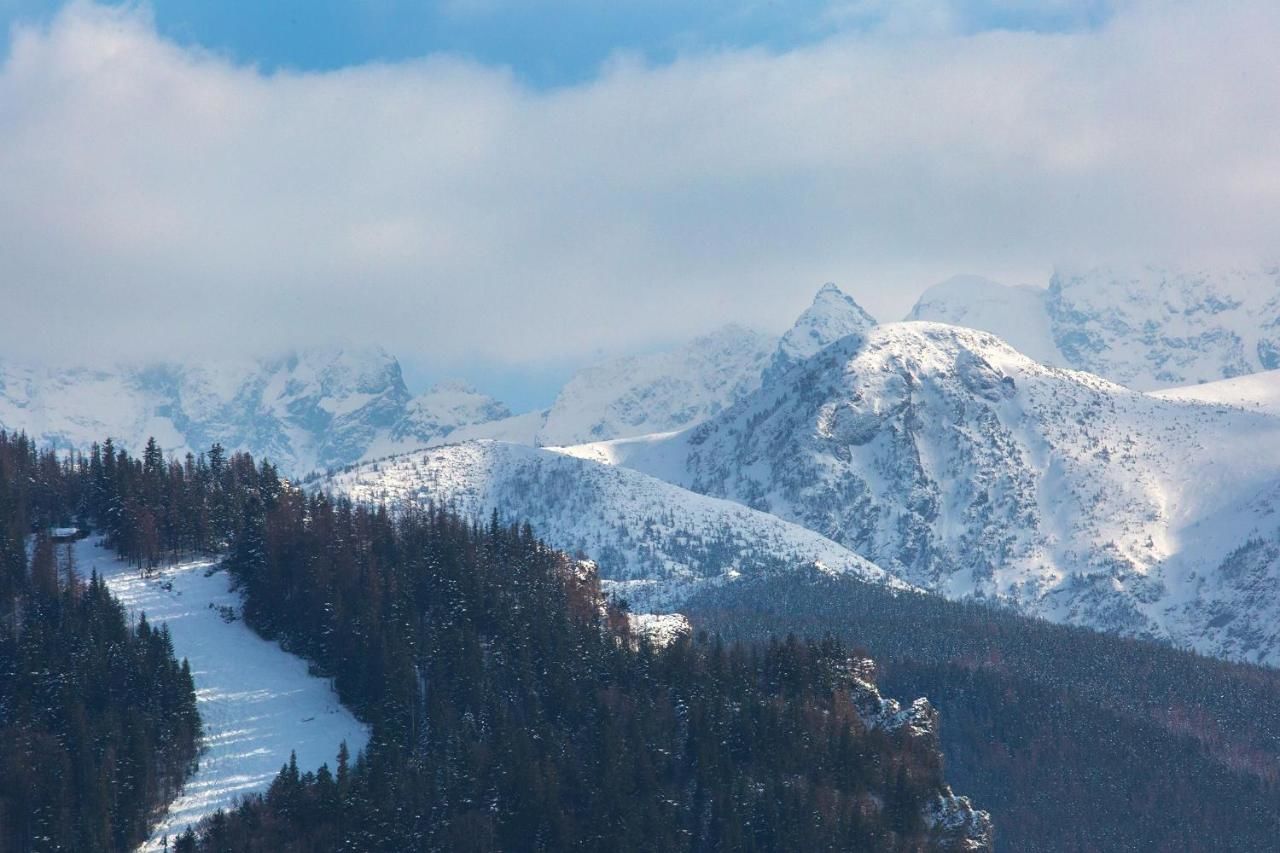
(1155, 328)
(1145, 328)
(832, 316)
(1256, 392)
(662, 391)
(256, 701)
(950, 459)
(654, 543)
(641, 394)
(310, 409)
(1015, 314)
(677, 388)
(329, 407)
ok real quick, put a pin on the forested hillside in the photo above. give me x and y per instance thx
(98, 722)
(513, 709)
(1073, 739)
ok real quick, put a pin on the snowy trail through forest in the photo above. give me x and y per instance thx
(257, 702)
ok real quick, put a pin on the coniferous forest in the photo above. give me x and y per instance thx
(513, 710)
(511, 706)
(1073, 739)
(98, 722)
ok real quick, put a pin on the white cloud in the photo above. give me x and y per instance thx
(161, 199)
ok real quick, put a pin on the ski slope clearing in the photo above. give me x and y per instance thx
(257, 702)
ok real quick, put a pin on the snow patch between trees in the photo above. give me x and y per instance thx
(257, 702)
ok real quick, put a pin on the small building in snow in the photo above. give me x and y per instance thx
(64, 534)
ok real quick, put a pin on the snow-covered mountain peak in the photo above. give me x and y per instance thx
(832, 315)
(1157, 327)
(951, 459)
(445, 407)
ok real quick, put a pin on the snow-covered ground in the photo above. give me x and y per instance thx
(1258, 392)
(257, 702)
(654, 542)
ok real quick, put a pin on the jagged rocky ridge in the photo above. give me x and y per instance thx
(832, 316)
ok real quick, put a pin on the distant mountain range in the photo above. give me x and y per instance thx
(915, 454)
(328, 407)
(305, 410)
(1145, 328)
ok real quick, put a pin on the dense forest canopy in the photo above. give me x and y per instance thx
(513, 709)
(511, 705)
(1074, 739)
(98, 722)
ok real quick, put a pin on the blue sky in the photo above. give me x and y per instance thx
(552, 42)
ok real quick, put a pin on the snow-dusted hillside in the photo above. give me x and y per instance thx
(947, 457)
(257, 702)
(1258, 392)
(311, 409)
(1145, 328)
(654, 543)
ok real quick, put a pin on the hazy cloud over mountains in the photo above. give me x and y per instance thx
(171, 196)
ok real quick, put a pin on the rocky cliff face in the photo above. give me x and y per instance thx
(953, 821)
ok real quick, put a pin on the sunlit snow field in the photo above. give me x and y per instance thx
(257, 702)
